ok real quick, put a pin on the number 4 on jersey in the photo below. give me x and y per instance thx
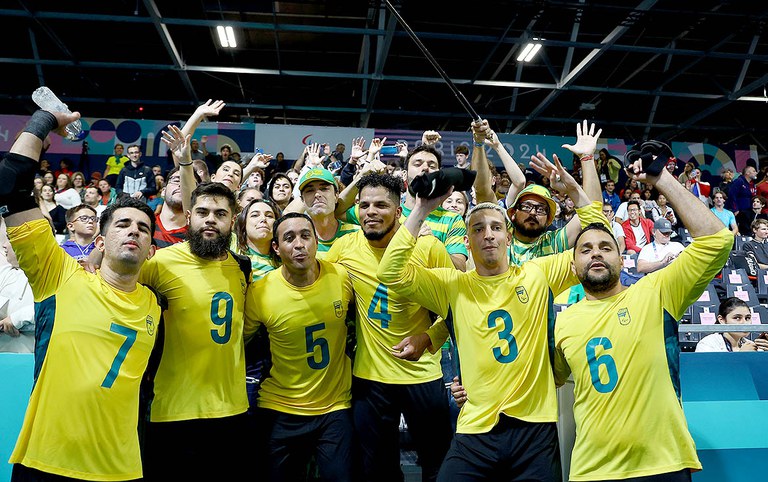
(378, 309)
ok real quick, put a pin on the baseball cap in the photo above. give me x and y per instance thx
(663, 225)
(96, 176)
(317, 174)
(542, 193)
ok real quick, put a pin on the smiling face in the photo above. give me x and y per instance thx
(457, 203)
(259, 222)
(379, 213)
(230, 174)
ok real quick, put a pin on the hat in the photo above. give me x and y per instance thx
(317, 174)
(542, 193)
(96, 175)
(663, 225)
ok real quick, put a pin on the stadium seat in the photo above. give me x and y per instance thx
(745, 292)
(760, 311)
(738, 242)
(735, 276)
(685, 236)
(762, 285)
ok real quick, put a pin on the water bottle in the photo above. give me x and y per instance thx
(47, 100)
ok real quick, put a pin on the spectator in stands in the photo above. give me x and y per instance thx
(637, 229)
(457, 202)
(661, 251)
(608, 166)
(672, 166)
(136, 178)
(255, 179)
(724, 215)
(647, 202)
(663, 210)
(616, 228)
(280, 190)
(197, 154)
(83, 225)
(293, 175)
(65, 167)
(686, 174)
(78, 184)
(726, 179)
(746, 218)
(17, 303)
(699, 188)
(732, 311)
(65, 195)
(621, 212)
(253, 230)
(610, 196)
(742, 190)
(115, 164)
(248, 194)
(462, 156)
(214, 160)
(107, 192)
(201, 169)
(92, 198)
(95, 178)
(57, 213)
(48, 178)
(757, 245)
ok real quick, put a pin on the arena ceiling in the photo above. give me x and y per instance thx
(668, 69)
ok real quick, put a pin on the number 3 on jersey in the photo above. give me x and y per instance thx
(605, 360)
(505, 335)
(378, 309)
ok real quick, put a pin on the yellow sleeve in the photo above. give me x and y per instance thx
(557, 269)
(592, 213)
(686, 278)
(332, 255)
(251, 315)
(428, 287)
(560, 367)
(45, 263)
(439, 258)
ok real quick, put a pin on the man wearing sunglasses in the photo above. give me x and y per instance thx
(83, 225)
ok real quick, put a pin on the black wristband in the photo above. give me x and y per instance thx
(41, 123)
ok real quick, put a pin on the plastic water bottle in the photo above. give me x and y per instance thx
(47, 100)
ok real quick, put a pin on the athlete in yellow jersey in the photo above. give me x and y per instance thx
(385, 385)
(304, 405)
(95, 332)
(199, 388)
(621, 345)
(502, 315)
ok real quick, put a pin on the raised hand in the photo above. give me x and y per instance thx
(211, 107)
(559, 178)
(586, 140)
(177, 143)
(313, 155)
(260, 160)
(402, 149)
(375, 147)
(480, 130)
(358, 148)
(430, 138)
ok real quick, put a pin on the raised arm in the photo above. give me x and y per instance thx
(209, 108)
(19, 166)
(479, 162)
(516, 176)
(584, 149)
(178, 143)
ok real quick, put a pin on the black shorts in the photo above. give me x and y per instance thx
(293, 440)
(512, 450)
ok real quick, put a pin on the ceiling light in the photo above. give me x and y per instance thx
(529, 51)
(226, 36)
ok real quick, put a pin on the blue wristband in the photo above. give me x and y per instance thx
(478, 144)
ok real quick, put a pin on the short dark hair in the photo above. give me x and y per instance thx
(462, 149)
(392, 184)
(125, 202)
(70, 215)
(176, 169)
(215, 189)
(595, 227)
(280, 221)
(633, 203)
(425, 148)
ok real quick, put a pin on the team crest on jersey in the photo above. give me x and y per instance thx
(522, 294)
(624, 318)
(337, 308)
(150, 325)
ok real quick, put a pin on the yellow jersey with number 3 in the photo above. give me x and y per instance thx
(501, 324)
